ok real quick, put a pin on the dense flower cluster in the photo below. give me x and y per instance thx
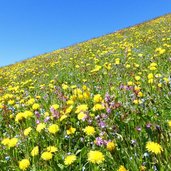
(103, 104)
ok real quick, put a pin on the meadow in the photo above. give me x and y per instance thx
(100, 105)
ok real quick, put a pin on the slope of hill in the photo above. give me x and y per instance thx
(99, 105)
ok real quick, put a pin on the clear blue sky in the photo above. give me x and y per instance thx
(33, 27)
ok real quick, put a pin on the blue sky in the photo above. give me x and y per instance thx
(33, 27)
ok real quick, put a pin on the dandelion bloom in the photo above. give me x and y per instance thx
(24, 164)
(110, 146)
(71, 130)
(40, 126)
(46, 155)
(81, 116)
(81, 108)
(169, 123)
(98, 106)
(35, 106)
(95, 157)
(52, 149)
(154, 147)
(53, 128)
(122, 168)
(27, 114)
(89, 130)
(97, 98)
(35, 151)
(5, 141)
(27, 131)
(69, 159)
(12, 142)
(55, 106)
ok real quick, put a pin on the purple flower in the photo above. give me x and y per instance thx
(138, 128)
(37, 114)
(37, 121)
(46, 119)
(99, 141)
(102, 124)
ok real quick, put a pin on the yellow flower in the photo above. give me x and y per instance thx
(122, 168)
(81, 108)
(71, 130)
(142, 168)
(27, 131)
(5, 141)
(63, 117)
(52, 149)
(81, 116)
(69, 159)
(40, 126)
(28, 114)
(64, 86)
(95, 157)
(55, 106)
(35, 106)
(70, 102)
(137, 78)
(169, 123)
(53, 128)
(19, 117)
(12, 142)
(24, 164)
(130, 83)
(117, 61)
(154, 147)
(150, 76)
(98, 107)
(89, 130)
(46, 155)
(35, 151)
(140, 94)
(110, 146)
(97, 98)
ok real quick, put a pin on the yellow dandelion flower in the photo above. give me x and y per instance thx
(70, 159)
(40, 127)
(71, 130)
(55, 106)
(19, 117)
(122, 168)
(5, 141)
(96, 157)
(154, 147)
(97, 98)
(89, 130)
(63, 117)
(12, 142)
(53, 128)
(52, 149)
(142, 168)
(98, 107)
(35, 151)
(24, 164)
(81, 108)
(28, 114)
(35, 106)
(110, 146)
(27, 131)
(46, 155)
(81, 116)
(137, 78)
(169, 123)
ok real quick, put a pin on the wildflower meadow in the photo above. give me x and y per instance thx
(100, 105)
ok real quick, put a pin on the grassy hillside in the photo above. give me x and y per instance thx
(104, 104)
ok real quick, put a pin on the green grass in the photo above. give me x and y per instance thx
(128, 70)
